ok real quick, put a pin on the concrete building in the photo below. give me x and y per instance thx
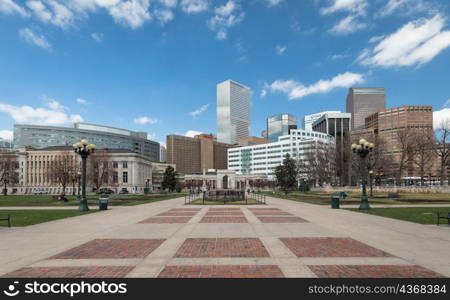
(263, 159)
(362, 102)
(158, 174)
(309, 120)
(222, 180)
(252, 140)
(163, 154)
(338, 125)
(4, 144)
(233, 112)
(40, 137)
(193, 155)
(280, 125)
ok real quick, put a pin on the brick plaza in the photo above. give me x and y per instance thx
(169, 240)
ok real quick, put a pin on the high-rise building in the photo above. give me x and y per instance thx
(252, 140)
(308, 120)
(163, 154)
(194, 155)
(233, 111)
(280, 125)
(39, 137)
(338, 126)
(4, 144)
(362, 102)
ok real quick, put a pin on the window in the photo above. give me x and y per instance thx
(115, 165)
(125, 165)
(125, 177)
(116, 177)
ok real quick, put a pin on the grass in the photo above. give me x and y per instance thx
(324, 198)
(240, 202)
(421, 215)
(21, 218)
(114, 200)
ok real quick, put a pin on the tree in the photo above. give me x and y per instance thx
(286, 174)
(405, 142)
(9, 166)
(170, 179)
(62, 169)
(443, 147)
(317, 165)
(423, 153)
(101, 170)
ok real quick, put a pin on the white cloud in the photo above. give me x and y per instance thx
(52, 12)
(348, 25)
(145, 121)
(296, 90)
(132, 13)
(97, 36)
(447, 104)
(199, 111)
(9, 7)
(151, 136)
(81, 101)
(272, 3)
(357, 7)
(226, 16)
(376, 38)
(337, 56)
(441, 117)
(192, 133)
(164, 15)
(53, 114)
(280, 50)
(169, 3)
(406, 7)
(35, 39)
(6, 135)
(416, 43)
(194, 6)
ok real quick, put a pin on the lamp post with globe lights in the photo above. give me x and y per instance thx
(363, 149)
(84, 149)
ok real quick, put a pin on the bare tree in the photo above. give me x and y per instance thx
(442, 135)
(318, 165)
(9, 166)
(423, 153)
(101, 170)
(405, 142)
(62, 169)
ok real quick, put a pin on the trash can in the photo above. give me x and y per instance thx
(335, 201)
(103, 204)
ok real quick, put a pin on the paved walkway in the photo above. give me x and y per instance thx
(395, 205)
(281, 239)
(49, 207)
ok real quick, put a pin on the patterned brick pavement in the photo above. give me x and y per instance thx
(331, 247)
(184, 209)
(177, 214)
(224, 209)
(71, 272)
(222, 247)
(224, 213)
(264, 209)
(224, 219)
(250, 271)
(281, 219)
(361, 271)
(271, 213)
(112, 248)
(166, 220)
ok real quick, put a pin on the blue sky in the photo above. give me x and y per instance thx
(153, 65)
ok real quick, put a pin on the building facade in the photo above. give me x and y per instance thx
(309, 120)
(163, 154)
(4, 144)
(280, 125)
(362, 102)
(40, 137)
(263, 159)
(233, 111)
(193, 155)
(252, 140)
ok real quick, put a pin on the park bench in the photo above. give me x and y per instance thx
(8, 219)
(447, 217)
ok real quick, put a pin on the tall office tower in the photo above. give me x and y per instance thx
(338, 126)
(280, 125)
(308, 120)
(163, 154)
(362, 102)
(233, 111)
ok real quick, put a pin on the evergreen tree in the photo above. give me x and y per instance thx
(170, 179)
(287, 174)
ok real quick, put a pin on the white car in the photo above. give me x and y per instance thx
(40, 192)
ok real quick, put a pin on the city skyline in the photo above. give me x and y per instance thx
(91, 63)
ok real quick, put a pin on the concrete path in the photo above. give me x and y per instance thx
(50, 207)
(281, 239)
(396, 205)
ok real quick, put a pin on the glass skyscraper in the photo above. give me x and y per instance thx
(280, 125)
(233, 111)
(362, 102)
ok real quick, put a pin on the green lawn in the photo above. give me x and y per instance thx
(21, 218)
(323, 198)
(114, 200)
(421, 215)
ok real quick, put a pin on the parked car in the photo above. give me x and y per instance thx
(124, 191)
(39, 191)
(105, 191)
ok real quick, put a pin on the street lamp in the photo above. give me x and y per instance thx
(363, 149)
(79, 186)
(370, 182)
(147, 186)
(5, 183)
(83, 148)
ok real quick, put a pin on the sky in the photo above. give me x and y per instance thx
(153, 65)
